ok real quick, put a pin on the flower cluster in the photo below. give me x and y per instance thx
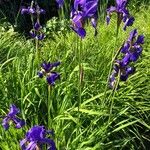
(36, 138)
(131, 50)
(122, 13)
(34, 10)
(12, 117)
(81, 11)
(46, 70)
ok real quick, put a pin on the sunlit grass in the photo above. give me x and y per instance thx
(129, 124)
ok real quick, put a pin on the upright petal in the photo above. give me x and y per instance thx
(13, 111)
(90, 8)
(47, 66)
(60, 2)
(37, 26)
(133, 34)
(140, 40)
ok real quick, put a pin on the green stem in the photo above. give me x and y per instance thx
(37, 50)
(112, 61)
(80, 74)
(49, 106)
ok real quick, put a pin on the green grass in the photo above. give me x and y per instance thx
(91, 128)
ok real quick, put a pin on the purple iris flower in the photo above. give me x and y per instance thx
(122, 70)
(81, 11)
(131, 50)
(12, 117)
(52, 77)
(35, 10)
(37, 34)
(133, 46)
(35, 139)
(60, 3)
(28, 10)
(47, 70)
(122, 13)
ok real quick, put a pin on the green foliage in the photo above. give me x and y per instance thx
(94, 127)
(56, 26)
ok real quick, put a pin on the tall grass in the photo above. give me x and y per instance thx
(128, 127)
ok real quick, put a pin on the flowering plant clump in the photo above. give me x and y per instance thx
(46, 70)
(81, 11)
(12, 117)
(35, 11)
(131, 49)
(35, 139)
(122, 13)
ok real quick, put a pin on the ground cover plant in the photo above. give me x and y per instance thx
(82, 90)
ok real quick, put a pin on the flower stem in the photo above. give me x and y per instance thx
(112, 95)
(80, 74)
(49, 105)
(112, 61)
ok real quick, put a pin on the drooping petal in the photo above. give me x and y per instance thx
(94, 24)
(23, 144)
(126, 59)
(24, 10)
(31, 146)
(31, 10)
(129, 22)
(49, 142)
(130, 70)
(80, 31)
(109, 12)
(32, 33)
(134, 56)
(125, 48)
(40, 36)
(19, 122)
(52, 78)
(108, 19)
(112, 81)
(124, 77)
(5, 123)
(42, 11)
(40, 74)
(77, 20)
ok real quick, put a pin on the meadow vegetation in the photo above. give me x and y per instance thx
(99, 124)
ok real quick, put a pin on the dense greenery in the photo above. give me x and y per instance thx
(96, 126)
